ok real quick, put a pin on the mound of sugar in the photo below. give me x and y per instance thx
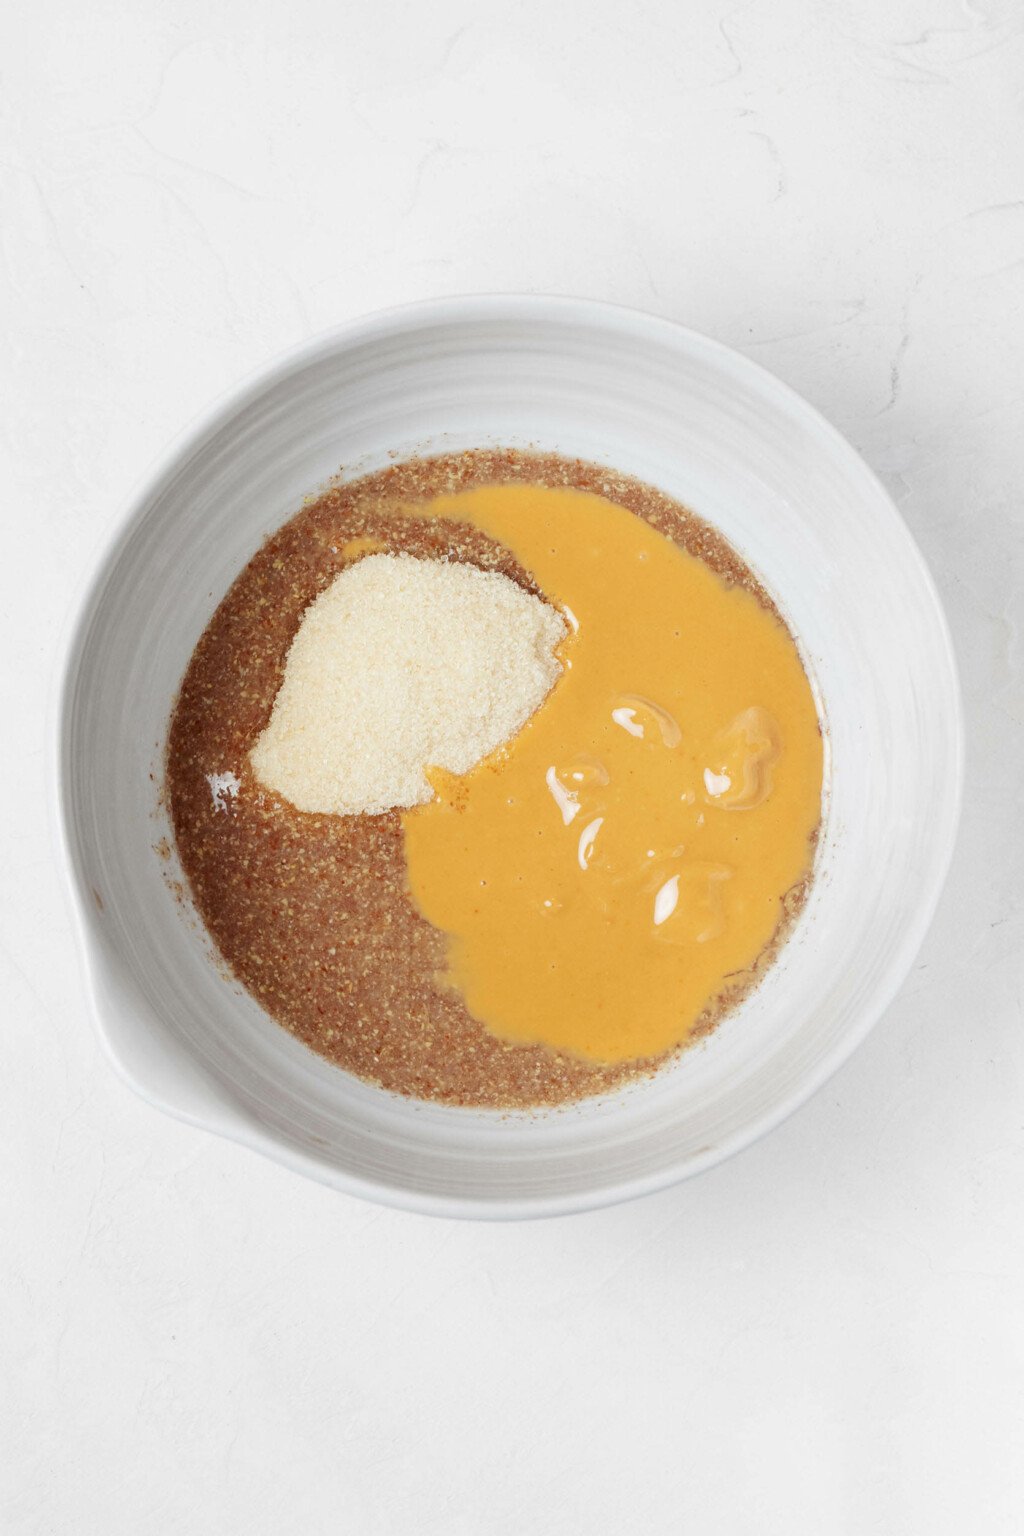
(400, 665)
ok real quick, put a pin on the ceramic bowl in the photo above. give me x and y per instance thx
(658, 402)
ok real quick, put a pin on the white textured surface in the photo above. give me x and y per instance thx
(825, 1334)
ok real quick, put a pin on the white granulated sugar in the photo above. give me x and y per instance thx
(400, 665)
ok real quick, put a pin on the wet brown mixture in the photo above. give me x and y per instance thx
(311, 912)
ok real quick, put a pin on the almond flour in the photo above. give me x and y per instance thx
(399, 666)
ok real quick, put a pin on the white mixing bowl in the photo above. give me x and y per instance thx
(655, 401)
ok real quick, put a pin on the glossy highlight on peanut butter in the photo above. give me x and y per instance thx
(622, 863)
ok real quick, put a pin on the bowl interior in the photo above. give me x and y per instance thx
(652, 400)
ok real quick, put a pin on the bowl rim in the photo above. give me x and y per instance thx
(376, 326)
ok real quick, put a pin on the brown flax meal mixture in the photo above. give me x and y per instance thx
(311, 912)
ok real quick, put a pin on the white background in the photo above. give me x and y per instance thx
(825, 1335)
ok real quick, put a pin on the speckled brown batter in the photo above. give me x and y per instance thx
(311, 912)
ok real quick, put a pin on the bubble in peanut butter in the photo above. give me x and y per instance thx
(688, 904)
(646, 720)
(569, 785)
(738, 772)
(588, 838)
